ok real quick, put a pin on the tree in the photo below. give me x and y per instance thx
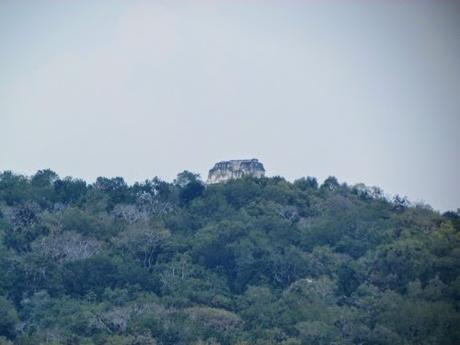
(306, 183)
(190, 191)
(186, 177)
(69, 190)
(44, 178)
(9, 319)
(330, 184)
(116, 188)
(14, 188)
(400, 203)
(143, 243)
(190, 186)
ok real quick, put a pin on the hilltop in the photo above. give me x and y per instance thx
(255, 260)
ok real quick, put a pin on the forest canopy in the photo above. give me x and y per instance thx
(250, 261)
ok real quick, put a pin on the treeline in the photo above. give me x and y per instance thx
(251, 261)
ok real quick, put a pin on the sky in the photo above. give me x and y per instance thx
(367, 91)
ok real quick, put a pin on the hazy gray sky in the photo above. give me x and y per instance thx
(368, 91)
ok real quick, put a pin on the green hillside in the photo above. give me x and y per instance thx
(251, 261)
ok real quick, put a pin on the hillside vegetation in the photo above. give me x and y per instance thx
(251, 261)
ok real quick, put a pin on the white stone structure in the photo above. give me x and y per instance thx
(227, 170)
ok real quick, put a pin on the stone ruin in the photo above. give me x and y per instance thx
(233, 169)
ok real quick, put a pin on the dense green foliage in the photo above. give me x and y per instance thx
(251, 261)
